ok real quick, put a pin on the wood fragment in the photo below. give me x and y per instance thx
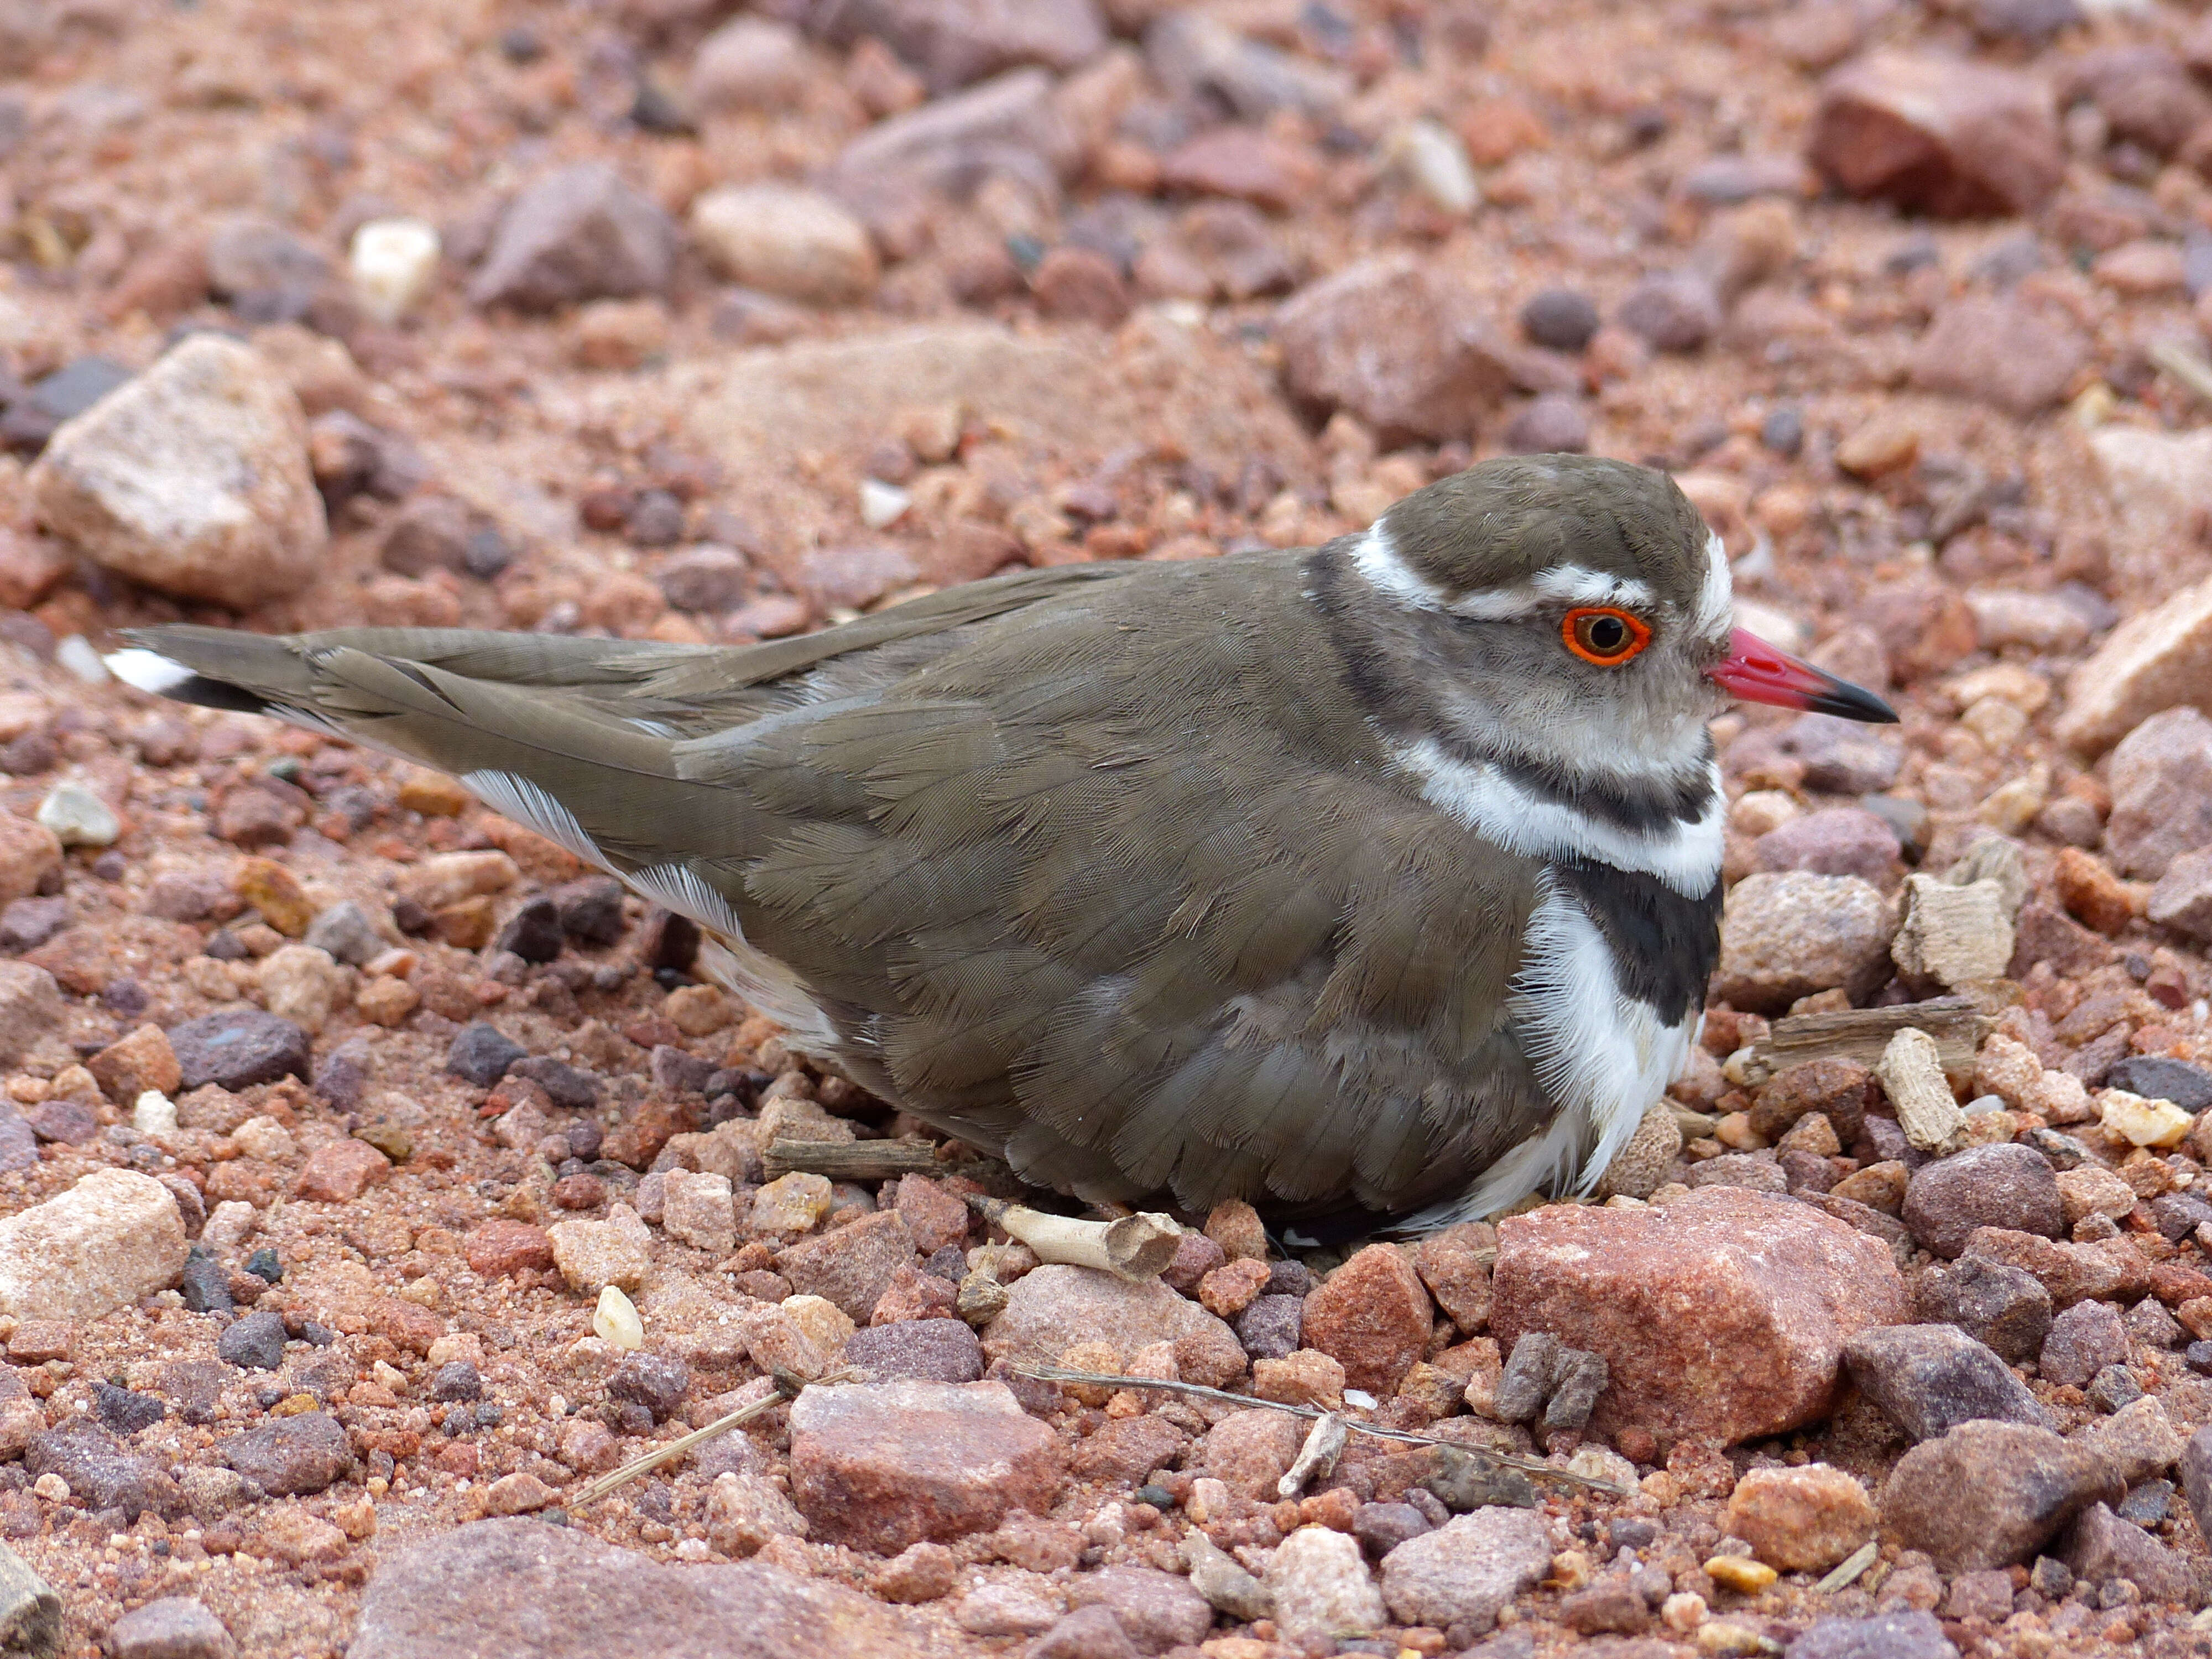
(1134, 1247)
(1957, 1025)
(1912, 1073)
(2184, 365)
(852, 1160)
(1324, 1441)
(1848, 1570)
(788, 1388)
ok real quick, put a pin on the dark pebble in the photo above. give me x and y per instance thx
(1158, 1496)
(481, 1053)
(2198, 1356)
(1673, 311)
(2148, 1504)
(2113, 1388)
(124, 1411)
(926, 1350)
(584, 1138)
(100, 1473)
(238, 1048)
(2189, 1087)
(255, 1343)
(1782, 431)
(264, 1265)
(591, 910)
(126, 999)
(1552, 424)
(292, 1456)
(677, 1072)
(533, 932)
(203, 1284)
(1381, 1528)
(1269, 1328)
(565, 1085)
(457, 1380)
(654, 519)
(69, 1122)
(1559, 318)
(28, 923)
(652, 1381)
(486, 553)
(1632, 1533)
(1289, 1279)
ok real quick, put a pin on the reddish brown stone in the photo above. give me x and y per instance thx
(1372, 1316)
(638, 1138)
(1943, 135)
(1721, 1316)
(1242, 163)
(2110, 1269)
(880, 1466)
(338, 1171)
(935, 1217)
(852, 1265)
(1074, 284)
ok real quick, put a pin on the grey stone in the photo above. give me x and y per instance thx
(1089, 1632)
(253, 1343)
(1157, 1610)
(171, 1627)
(1903, 1633)
(1990, 1494)
(99, 1471)
(521, 1587)
(1561, 319)
(577, 234)
(238, 1048)
(927, 1349)
(2084, 1340)
(1467, 1569)
(564, 1085)
(1269, 1326)
(345, 931)
(1928, 1379)
(2008, 1186)
(2102, 1547)
(2187, 1086)
(30, 1611)
(124, 1411)
(2005, 1307)
(291, 1456)
(481, 1053)
(1673, 311)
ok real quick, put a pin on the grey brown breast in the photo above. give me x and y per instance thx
(1093, 870)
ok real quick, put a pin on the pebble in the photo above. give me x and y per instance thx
(1762, 1287)
(2149, 664)
(1249, 1451)
(2011, 1187)
(30, 1008)
(532, 932)
(1789, 935)
(939, 143)
(111, 1239)
(793, 1203)
(124, 1411)
(881, 1466)
(2183, 898)
(1990, 1494)
(1373, 1317)
(2000, 352)
(592, 1254)
(1838, 840)
(1560, 318)
(237, 1049)
(1319, 1585)
(170, 1627)
(1671, 311)
(78, 817)
(656, 1382)
(1466, 1570)
(782, 239)
(1051, 1308)
(393, 265)
(481, 1053)
(2102, 1547)
(1553, 423)
(339, 1171)
(851, 1265)
(615, 1320)
(1928, 1379)
(1945, 136)
(2083, 1339)
(292, 1456)
(1157, 1610)
(750, 64)
(2197, 1475)
(518, 1585)
(2155, 1123)
(192, 479)
(922, 1349)
(1390, 343)
(28, 923)
(697, 1210)
(577, 234)
(2000, 1306)
(1901, 1634)
(952, 46)
(254, 1343)
(498, 1248)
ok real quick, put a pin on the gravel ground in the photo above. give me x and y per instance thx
(371, 1180)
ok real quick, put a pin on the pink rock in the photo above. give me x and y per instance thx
(883, 1465)
(1955, 138)
(2162, 782)
(2019, 358)
(1722, 1315)
(1372, 1316)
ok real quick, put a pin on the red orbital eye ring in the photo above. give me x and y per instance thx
(1603, 635)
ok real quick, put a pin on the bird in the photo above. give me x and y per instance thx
(1377, 879)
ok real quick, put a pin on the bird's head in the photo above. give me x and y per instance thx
(1575, 614)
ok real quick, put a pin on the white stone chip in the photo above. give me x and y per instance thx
(394, 265)
(78, 817)
(615, 1322)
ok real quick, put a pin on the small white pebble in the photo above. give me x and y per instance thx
(52, 1487)
(1432, 158)
(78, 817)
(882, 505)
(393, 264)
(76, 653)
(615, 1321)
(1360, 1398)
(154, 1114)
(693, 1549)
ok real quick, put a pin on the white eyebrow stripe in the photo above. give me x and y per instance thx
(1716, 611)
(1377, 559)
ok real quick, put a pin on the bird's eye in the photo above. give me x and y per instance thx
(1603, 635)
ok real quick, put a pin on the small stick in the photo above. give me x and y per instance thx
(851, 1160)
(1136, 1247)
(1853, 1565)
(2184, 365)
(1528, 1465)
(786, 1390)
(1324, 1441)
